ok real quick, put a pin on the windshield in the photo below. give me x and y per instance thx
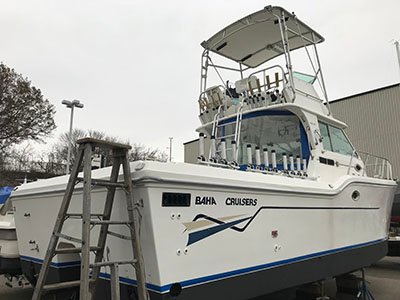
(279, 131)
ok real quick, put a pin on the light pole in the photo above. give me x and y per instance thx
(71, 105)
(170, 148)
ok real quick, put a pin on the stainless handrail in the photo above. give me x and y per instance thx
(204, 92)
(215, 122)
(238, 129)
(284, 79)
(351, 160)
(380, 167)
(211, 87)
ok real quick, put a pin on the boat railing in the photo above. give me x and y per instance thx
(375, 166)
(215, 121)
(267, 83)
(212, 97)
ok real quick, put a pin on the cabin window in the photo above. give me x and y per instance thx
(326, 139)
(335, 140)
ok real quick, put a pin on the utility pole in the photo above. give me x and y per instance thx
(170, 148)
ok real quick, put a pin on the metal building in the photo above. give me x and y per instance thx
(191, 149)
(373, 118)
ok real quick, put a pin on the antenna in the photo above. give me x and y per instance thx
(170, 148)
(396, 44)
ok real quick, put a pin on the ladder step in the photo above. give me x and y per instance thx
(118, 235)
(79, 215)
(62, 285)
(68, 238)
(73, 250)
(104, 144)
(224, 137)
(104, 222)
(106, 183)
(110, 263)
(228, 123)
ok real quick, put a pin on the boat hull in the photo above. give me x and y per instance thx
(249, 285)
(288, 275)
(235, 239)
(9, 253)
(10, 266)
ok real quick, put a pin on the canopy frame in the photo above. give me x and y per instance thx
(293, 34)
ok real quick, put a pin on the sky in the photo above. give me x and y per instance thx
(135, 64)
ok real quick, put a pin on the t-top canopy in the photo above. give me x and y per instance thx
(257, 38)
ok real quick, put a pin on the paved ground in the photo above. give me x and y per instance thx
(384, 279)
(383, 282)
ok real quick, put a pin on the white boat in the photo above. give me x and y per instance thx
(248, 219)
(9, 254)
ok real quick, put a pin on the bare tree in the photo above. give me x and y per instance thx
(24, 113)
(21, 157)
(138, 152)
(141, 152)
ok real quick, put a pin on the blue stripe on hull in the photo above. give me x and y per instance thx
(53, 264)
(204, 279)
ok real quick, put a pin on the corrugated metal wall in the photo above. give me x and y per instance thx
(374, 122)
(192, 150)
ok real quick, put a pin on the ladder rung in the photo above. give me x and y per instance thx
(68, 238)
(62, 285)
(110, 263)
(73, 250)
(101, 222)
(79, 215)
(228, 123)
(101, 182)
(118, 235)
(225, 136)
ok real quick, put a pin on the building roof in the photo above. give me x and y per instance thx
(366, 92)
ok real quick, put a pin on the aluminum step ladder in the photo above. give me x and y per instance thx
(90, 271)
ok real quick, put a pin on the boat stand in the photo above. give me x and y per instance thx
(364, 293)
(316, 290)
(90, 271)
(323, 291)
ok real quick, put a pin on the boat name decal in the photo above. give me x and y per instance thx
(206, 200)
(241, 201)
